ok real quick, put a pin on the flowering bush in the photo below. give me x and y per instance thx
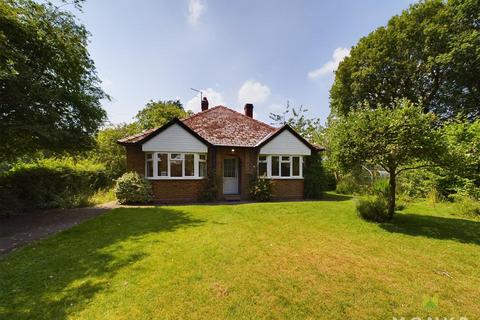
(260, 189)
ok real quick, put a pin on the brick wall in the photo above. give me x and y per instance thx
(189, 190)
(171, 191)
(135, 159)
(287, 189)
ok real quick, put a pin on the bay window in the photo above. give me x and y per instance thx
(295, 166)
(285, 166)
(149, 165)
(202, 165)
(280, 167)
(275, 166)
(175, 165)
(162, 164)
(189, 165)
(262, 166)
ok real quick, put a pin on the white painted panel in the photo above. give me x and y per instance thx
(285, 143)
(175, 139)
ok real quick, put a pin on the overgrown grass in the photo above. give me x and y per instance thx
(269, 260)
(102, 196)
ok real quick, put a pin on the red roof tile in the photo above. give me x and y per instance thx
(137, 137)
(225, 127)
(220, 126)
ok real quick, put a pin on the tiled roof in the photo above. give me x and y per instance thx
(137, 137)
(219, 126)
(225, 127)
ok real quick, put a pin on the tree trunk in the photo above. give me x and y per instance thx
(391, 195)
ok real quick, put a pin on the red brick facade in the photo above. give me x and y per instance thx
(171, 191)
(287, 189)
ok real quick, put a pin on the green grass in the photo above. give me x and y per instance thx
(277, 261)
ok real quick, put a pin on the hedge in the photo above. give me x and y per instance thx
(50, 183)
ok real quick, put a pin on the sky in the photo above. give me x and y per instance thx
(265, 52)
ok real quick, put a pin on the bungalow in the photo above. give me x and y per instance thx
(177, 157)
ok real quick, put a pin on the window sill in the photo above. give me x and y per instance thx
(175, 178)
(285, 178)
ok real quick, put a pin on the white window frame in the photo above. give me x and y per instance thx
(152, 160)
(290, 160)
(197, 165)
(262, 161)
(196, 160)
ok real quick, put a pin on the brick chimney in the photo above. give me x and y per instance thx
(204, 104)
(248, 110)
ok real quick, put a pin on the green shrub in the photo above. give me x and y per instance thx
(50, 183)
(210, 188)
(372, 209)
(465, 206)
(348, 185)
(260, 189)
(131, 188)
(400, 205)
(381, 188)
(315, 179)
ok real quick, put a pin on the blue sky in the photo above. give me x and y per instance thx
(264, 52)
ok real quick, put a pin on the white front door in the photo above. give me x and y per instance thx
(230, 175)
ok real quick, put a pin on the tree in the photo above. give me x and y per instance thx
(397, 138)
(157, 113)
(463, 140)
(429, 54)
(108, 152)
(50, 93)
(309, 128)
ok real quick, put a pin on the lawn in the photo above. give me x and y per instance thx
(270, 260)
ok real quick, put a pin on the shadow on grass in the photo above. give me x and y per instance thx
(59, 276)
(464, 231)
(335, 197)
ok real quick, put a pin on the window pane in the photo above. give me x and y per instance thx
(285, 169)
(149, 156)
(262, 158)
(262, 169)
(162, 165)
(176, 168)
(296, 166)
(149, 169)
(285, 158)
(275, 162)
(202, 168)
(176, 156)
(189, 165)
(203, 157)
(229, 168)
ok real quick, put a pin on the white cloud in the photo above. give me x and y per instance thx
(253, 92)
(338, 55)
(214, 99)
(195, 9)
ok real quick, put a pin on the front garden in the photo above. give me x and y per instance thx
(275, 260)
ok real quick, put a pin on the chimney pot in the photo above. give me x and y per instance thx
(248, 110)
(204, 104)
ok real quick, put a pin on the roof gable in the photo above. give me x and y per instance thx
(174, 138)
(285, 141)
(143, 137)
